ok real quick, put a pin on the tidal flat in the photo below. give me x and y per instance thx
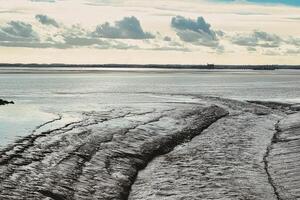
(150, 135)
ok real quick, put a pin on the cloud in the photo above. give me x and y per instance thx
(83, 41)
(96, 43)
(76, 36)
(293, 41)
(257, 39)
(17, 31)
(33, 45)
(220, 33)
(196, 31)
(167, 38)
(251, 49)
(127, 28)
(271, 53)
(199, 25)
(293, 51)
(44, 19)
(21, 34)
(192, 36)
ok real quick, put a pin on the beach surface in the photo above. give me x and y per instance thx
(209, 148)
(149, 134)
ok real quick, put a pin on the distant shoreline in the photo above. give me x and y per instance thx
(152, 66)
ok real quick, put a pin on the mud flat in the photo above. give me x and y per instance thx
(210, 149)
(284, 158)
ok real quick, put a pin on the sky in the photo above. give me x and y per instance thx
(150, 32)
(286, 2)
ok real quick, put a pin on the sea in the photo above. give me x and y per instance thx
(43, 94)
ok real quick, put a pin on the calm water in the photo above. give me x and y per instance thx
(39, 97)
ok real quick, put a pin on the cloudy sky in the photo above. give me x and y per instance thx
(156, 31)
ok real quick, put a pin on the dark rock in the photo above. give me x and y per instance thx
(295, 107)
(4, 102)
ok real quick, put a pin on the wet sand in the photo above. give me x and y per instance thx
(210, 149)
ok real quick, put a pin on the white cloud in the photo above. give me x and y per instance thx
(44, 19)
(230, 34)
(197, 31)
(293, 41)
(293, 51)
(17, 31)
(127, 28)
(257, 39)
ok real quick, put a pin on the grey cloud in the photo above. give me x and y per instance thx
(196, 31)
(77, 36)
(20, 34)
(251, 49)
(16, 31)
(197, 39)
(271, 53)
(34, 45)
(83, 41)
(97, 43)
(127, 28)
(293, 51)
(257, 39)
(220, 33)
(44, 19)
(293, 41)
(199, 25)
(220, 49)
(122, 45)
(167, 38)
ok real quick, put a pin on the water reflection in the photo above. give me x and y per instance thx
(19, 120)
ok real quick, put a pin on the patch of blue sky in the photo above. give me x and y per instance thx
(285, 2)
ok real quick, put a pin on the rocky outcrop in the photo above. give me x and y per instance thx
(4, 102)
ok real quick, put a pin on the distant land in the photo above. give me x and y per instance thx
(150, 66)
